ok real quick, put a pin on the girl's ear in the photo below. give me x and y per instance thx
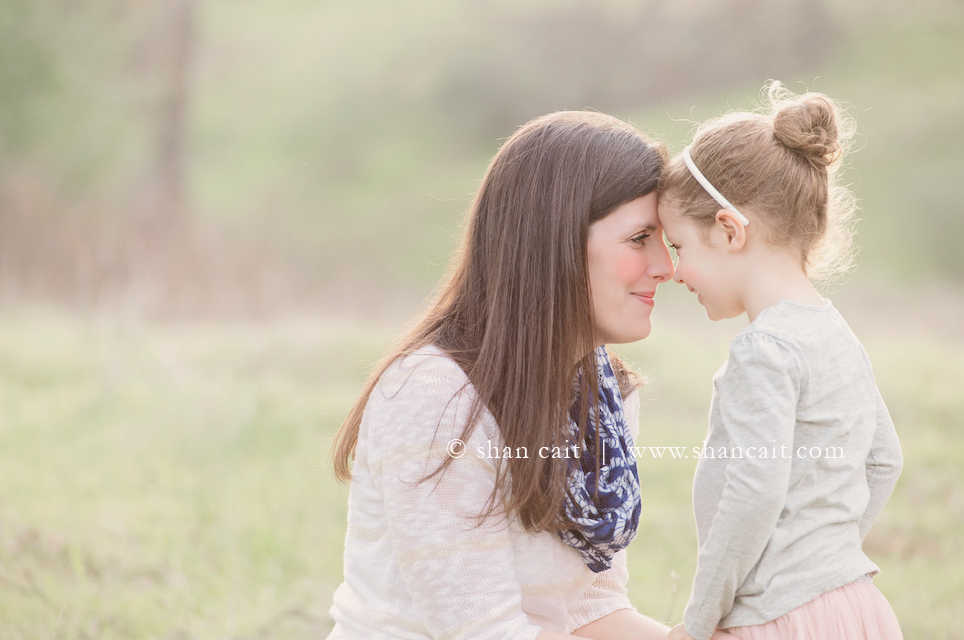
(731, 230)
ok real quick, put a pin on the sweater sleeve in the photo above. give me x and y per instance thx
(757, 396)
(883, 466)
(606, 594)
(460, 574)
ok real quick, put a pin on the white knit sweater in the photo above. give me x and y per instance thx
(417, 563)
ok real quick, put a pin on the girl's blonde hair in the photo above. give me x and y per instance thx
(779, 166)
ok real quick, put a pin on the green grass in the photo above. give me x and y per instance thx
(169, 481)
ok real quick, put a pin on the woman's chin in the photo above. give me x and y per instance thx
(637, 334)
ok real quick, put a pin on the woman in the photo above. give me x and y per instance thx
(492, 494)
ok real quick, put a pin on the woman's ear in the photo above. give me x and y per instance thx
(731, 230)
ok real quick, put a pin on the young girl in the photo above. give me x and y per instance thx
(492, 489)
(801, 453)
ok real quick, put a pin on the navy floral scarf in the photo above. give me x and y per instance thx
(602, 504)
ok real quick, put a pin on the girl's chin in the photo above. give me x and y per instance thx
(716, 316)
(712, 314)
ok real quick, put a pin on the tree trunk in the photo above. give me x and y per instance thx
(172, 120)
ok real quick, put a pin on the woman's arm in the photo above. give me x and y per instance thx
(458, 574)
(608, 591)
(604, 611)
(625, 624)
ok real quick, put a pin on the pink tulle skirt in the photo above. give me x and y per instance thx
(856, 611)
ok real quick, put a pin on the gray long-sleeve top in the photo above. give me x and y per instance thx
(800, 458)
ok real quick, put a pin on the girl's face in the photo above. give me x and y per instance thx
(627, 260)
(701, 265)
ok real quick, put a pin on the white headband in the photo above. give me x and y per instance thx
(710, 189)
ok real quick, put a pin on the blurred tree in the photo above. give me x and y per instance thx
(316, 130)
(27, 75)
(94, 110)
(172, 41)
(510, 64)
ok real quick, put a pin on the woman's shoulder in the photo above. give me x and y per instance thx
(427, 370)
(422, 397)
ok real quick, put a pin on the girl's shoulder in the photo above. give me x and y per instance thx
(775, 340)
(795, 323)
(811, 338)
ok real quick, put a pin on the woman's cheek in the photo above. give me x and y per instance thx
(631, 265)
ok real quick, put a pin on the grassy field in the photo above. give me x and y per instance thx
(169, 481)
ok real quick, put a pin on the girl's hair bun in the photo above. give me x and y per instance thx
(807, 124)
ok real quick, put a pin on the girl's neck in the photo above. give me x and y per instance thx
(777, 275)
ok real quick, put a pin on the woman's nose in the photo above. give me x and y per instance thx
(661, 268)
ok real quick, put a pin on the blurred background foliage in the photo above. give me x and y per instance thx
(281, 182)
(247, 156)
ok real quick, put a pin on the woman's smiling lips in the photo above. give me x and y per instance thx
(646, 298)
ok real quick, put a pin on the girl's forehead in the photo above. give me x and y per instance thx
(668, 210)
(674, 223)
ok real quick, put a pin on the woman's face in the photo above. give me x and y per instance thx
(627, 260)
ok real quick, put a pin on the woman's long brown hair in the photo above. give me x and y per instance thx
(515, 310)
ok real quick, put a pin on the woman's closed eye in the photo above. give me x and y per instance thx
(640, 238)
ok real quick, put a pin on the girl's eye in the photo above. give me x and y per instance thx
(640, 239)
